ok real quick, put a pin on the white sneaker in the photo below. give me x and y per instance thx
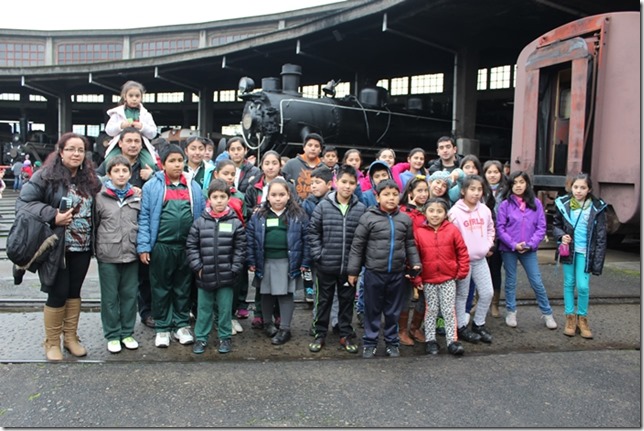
(550, 321)
(162, 339)
(237, 328)
(184, 335)
(511, 319)
(130, 343)
(114, 346)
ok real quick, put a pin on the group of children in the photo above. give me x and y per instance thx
(380, 242)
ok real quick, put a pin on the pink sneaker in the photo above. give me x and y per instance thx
(242, 314)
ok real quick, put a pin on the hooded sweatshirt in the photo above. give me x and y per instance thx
(476, 226)
(369, 196)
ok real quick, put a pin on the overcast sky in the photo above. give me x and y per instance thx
(92, 14)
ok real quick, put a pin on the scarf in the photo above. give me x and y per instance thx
(214, 214)
(575, 205)
(120, 193)
(520, 202)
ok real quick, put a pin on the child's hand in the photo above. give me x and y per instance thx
(125, 124)
(145, 258)
(137, 124)
(352, 279)
(251, 268)
(566, 239)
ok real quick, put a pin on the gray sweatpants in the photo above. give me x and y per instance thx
(480, 273)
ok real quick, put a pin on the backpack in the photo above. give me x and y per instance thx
(30, 240)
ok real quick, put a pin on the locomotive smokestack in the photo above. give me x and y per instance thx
(291, 78)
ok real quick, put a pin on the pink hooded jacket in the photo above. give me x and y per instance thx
(476, 226)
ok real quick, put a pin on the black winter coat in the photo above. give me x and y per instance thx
(217, 247)
(40, 198)
(330, 233)
(597, 234)
(383, 242)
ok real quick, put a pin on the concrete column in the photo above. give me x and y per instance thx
(205, 118)
(64, 113)
(465, 96)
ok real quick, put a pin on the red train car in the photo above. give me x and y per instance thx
(577, 109)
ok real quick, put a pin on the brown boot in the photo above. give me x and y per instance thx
(53, 318)
(494, 309)
(571, 325)
(402, 328)
(70, 328)
(416, 323)
(584, 329)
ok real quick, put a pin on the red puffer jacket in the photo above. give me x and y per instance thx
(443, 254)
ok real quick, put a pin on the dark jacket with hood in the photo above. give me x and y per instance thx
(383, 242)
(369, 196)
(217, 248)
(563, 224)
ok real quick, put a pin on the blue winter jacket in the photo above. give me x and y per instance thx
(298, 245)
(152, 204)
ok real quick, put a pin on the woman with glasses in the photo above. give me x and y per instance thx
(61, 194)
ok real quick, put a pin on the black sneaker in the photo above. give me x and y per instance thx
(485, 335)
(271, 330)
(199, 347)
(225, 346)
(392, 351)
(466, 334)
(431, 348)
(283, 335)
(455, 348)
(368, 352)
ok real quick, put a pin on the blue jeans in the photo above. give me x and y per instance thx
(531, 266)
(575, 275)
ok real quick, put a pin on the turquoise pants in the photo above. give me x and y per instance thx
(222, 298)
(119, 286)
(575, 276)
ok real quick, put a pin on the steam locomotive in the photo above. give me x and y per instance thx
(278, 117)
(577, 109)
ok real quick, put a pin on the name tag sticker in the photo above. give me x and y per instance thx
(226, 227)
(272, 222)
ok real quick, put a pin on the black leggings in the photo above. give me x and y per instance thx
(69, 280)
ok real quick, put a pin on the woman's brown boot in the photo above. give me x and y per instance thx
(70, 328)
(403, 335)
(416, 323)
(584, 329)
(571, 325)
(53, 318)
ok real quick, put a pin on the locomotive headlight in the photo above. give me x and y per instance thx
(246, 85)
(247, 120)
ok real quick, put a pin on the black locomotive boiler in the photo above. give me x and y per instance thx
(278, 117)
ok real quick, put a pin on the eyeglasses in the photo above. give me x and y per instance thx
(74, 150)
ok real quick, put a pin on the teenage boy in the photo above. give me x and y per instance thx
(299, 168)
(331, 228)
(384, 243)
(447, 159)
(171, 203)
(199, 171)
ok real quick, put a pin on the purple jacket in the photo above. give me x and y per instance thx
(515, 226)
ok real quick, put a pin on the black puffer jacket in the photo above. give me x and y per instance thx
(217, 247)
(597, 235)
(383, 242)
(330, 233)
(247, 176)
